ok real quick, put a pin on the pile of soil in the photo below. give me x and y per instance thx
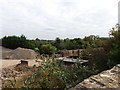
(20, 53)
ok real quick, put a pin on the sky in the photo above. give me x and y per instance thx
(119, 12)
(48, 19)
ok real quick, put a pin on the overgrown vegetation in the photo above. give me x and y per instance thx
(114, 53)
(107, 56)
(53, 74)
(104, 54)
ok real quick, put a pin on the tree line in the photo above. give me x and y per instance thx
(53, 46)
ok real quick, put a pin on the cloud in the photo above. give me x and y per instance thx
(48, 19)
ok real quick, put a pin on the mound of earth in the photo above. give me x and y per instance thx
(19, 53)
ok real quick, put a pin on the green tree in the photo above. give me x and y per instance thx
(47, 49)
(14, 41)
(114, 52)
(57, 43)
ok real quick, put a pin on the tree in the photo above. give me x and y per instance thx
(57, 43)
(47, 49)
(114, 42)
(13, 42)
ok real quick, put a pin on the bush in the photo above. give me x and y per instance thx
(44, 79)
(98, 59)
(114, 52)
(108, 56)
(69, 75)
(54, 74)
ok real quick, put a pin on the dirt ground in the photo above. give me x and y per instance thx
(7, 63)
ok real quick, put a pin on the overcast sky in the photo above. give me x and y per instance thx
(48, 19)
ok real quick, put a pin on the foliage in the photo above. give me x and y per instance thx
(43, 79)
(53, 74)
(58, 44)
(14, 41)
(108, 56)
(98, 59)
(114, 51)
(47, 49)
(56, 70)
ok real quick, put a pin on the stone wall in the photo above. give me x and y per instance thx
(106, 80)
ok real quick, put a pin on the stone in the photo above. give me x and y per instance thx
(109, 79)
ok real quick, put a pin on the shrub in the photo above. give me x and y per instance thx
(114, 52)
(54, 74)
(98, 60)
